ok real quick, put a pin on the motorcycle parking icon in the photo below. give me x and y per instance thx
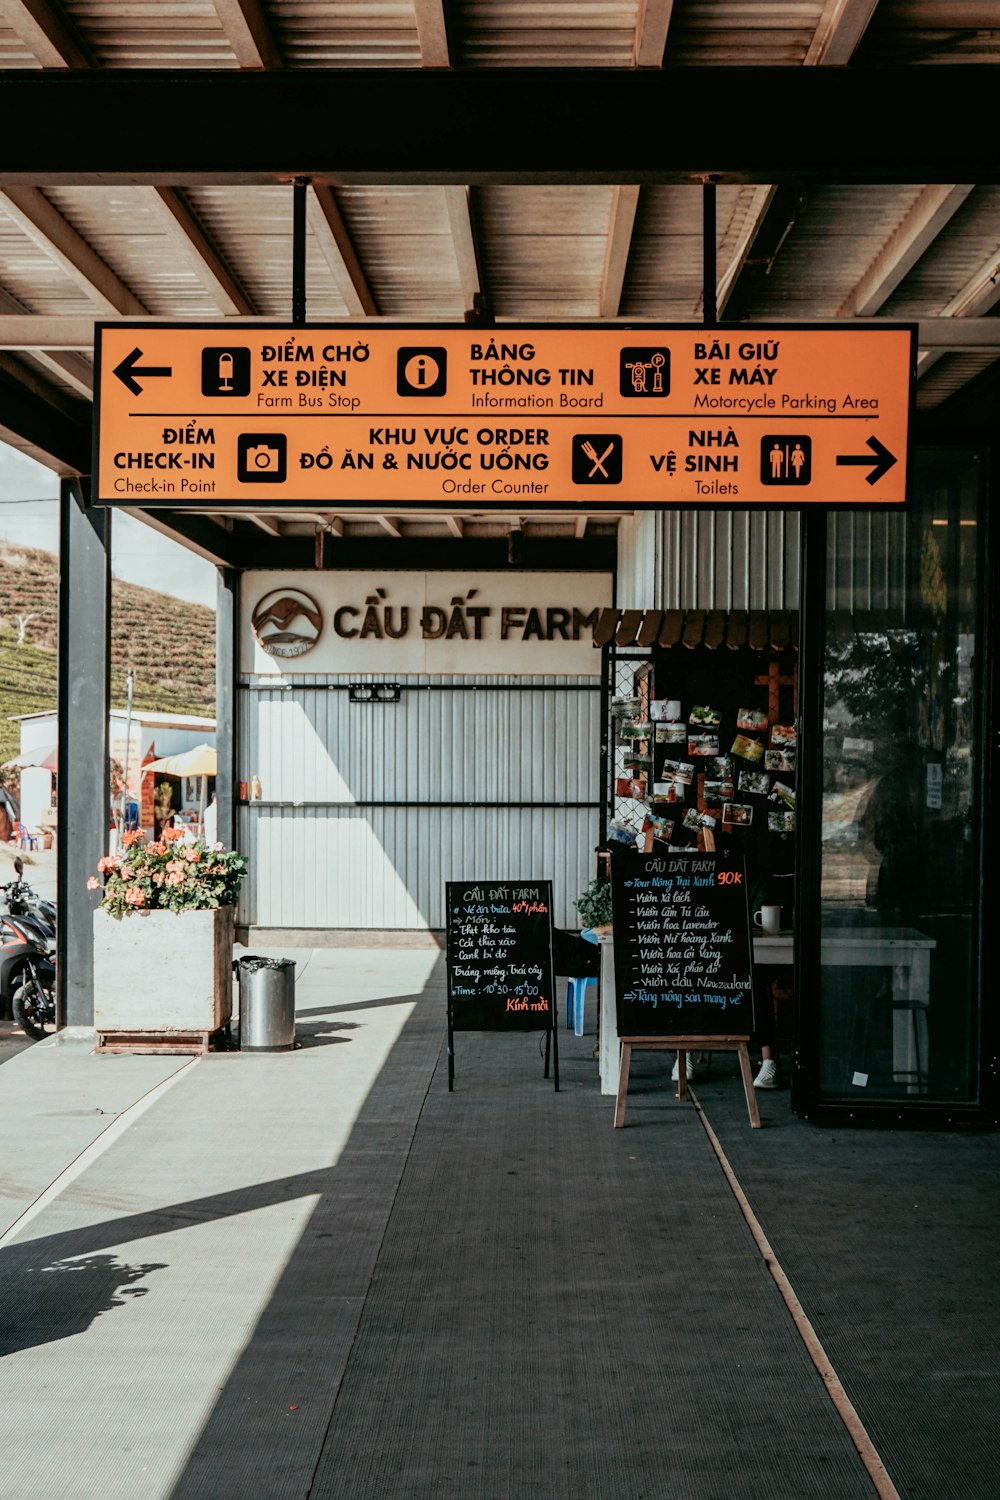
(644, 372)
(597, 458)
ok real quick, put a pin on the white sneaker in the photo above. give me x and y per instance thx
(767, 1078)
(688, 1070)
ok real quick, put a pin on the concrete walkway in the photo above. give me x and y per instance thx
(321, 1274)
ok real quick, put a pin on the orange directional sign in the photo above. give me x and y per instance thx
(231, 413)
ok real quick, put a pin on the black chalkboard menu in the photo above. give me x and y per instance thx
(499, 957)
(683, 952)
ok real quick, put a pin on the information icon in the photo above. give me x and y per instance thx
(421, 371)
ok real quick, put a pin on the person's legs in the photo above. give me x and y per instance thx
(766, 1038)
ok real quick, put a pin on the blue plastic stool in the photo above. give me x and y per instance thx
(576, 994)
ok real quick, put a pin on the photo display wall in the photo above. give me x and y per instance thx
(706, 754)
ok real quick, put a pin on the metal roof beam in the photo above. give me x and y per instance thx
(432, 33)
(46, 227)
(838, 31)
(903, 249)
(249, 33)
(337, 248)
(48, 35)
(459, 206)
(652, 25)
(624, 202)
(173, 211)
(157, 126)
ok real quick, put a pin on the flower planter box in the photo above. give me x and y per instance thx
(165, 974)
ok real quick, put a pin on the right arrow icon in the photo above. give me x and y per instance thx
(880, 459)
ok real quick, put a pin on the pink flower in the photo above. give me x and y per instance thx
(134, 896)
(192, 855)
(93, 884)
(108, 862)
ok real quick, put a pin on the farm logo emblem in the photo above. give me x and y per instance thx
(287, 622)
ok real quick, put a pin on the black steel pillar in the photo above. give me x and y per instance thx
(84, 701)
(227, 642)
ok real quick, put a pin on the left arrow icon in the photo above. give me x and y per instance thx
(128, 370)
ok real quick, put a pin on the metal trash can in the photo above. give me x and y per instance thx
(267, 1003)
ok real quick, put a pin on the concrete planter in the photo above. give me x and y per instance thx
(163, 972)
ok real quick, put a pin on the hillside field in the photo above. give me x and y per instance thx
(168, 643)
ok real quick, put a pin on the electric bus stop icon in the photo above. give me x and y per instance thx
(785, 458)
(597, 458)
(421, 370)
(225, 371)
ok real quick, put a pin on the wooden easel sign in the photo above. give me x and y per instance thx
(683, 958)
(498, 947)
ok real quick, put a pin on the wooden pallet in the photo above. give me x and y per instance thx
(161, 1041)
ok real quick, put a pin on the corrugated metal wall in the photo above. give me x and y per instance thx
(866, 563)
(709, 559)
(328, 850)
(732, 560)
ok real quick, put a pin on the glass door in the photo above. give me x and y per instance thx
(889, 1001)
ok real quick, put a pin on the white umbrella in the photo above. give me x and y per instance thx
(201, 760)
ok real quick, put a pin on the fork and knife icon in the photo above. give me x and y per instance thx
(598, 463)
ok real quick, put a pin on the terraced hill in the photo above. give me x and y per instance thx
(168, 643)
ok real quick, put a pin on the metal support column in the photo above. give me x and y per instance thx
(227, 643)
(84, 701)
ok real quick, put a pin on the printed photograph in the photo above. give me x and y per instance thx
(780, 760)
(657, 709)
(782, 736)
(658, 827)
(626, 708)
(754, 719)
(703, 744)
(631, 786)
(737, 815)
(705, 717)
(780, 822)
(678, 770)
(719, 768)
(715, 793)
(755, 782)
(747, 749)
(639, 760)
(695, 820)
(672, 733)
(781, 792)
(668, 791)
(636, 729)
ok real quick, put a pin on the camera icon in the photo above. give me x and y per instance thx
(261, 457)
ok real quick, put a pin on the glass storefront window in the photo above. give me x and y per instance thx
(898, 1002)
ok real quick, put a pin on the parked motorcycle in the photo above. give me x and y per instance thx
(27, 957)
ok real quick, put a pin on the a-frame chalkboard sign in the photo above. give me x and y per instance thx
(683, 958)
(499, 958)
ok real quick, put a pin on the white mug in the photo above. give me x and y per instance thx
(768, 919)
